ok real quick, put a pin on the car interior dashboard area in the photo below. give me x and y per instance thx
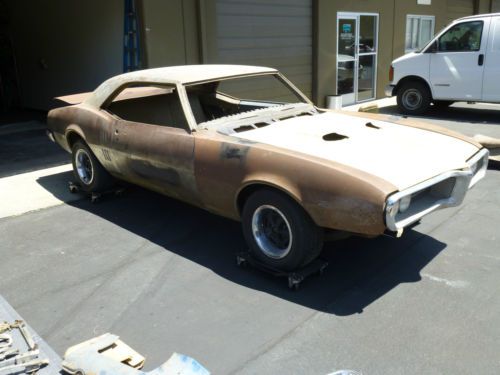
(162, 106)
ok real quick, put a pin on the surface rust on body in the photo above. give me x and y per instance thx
(210, 170)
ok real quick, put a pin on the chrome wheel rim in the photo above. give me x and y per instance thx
(84, 167)
(272, 232)
(412, 99)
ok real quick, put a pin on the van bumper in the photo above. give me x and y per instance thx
(389, 90)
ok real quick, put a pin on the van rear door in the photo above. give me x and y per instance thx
(456, 68)
(491, 78)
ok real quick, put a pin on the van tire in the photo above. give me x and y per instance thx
(413, 98)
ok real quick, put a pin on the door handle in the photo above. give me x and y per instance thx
(480, 60)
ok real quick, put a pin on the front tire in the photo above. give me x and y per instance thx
(88, 172)
(279, 232)
(413, 98)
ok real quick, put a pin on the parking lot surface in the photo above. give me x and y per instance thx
(162, 275)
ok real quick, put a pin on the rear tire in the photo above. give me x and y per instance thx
(414, 98)
(279, 232)
(88, 172)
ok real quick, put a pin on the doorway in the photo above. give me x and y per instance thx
(357, 46)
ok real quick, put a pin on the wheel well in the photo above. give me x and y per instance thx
(412, 79)
(72, 137)
(250, 189)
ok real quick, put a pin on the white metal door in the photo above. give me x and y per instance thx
(356, 56)
(456, 68)
(491, 77)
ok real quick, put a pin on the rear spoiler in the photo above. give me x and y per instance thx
(74, 98)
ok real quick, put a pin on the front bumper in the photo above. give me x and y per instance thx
(389, 90)
(445, 190)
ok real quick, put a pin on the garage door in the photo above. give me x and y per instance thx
(459, 8)
(275, 33)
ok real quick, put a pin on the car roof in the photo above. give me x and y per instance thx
(479, 16)
(183, 74)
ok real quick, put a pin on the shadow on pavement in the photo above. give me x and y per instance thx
(360, 271)
(27, 151)
(457, 112)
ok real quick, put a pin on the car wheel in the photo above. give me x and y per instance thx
(413, 98)
(279, 232)
(89, 173)
(441, 104)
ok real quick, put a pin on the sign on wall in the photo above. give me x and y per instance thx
(424, 2)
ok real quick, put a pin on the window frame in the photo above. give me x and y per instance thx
(177, 90)
(420, 17)
(438, 44)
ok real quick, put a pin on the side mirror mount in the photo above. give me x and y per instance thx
(433, 48)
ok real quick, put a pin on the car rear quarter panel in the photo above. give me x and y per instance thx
(334, 195)
(92, 125)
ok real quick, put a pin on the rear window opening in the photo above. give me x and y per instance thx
(149, 104)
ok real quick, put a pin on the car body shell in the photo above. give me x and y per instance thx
(217, 172)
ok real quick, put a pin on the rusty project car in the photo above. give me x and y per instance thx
(243, 142)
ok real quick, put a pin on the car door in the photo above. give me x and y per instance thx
(457, 64)
(491, 88)
(153, 147)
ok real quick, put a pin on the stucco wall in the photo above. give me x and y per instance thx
(391, 37)
(171, 32)
(327, 41)
(63, 47)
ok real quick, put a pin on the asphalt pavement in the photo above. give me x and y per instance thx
(162, 275)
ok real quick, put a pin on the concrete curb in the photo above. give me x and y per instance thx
(372, 106)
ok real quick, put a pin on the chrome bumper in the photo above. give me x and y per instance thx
(445, 190)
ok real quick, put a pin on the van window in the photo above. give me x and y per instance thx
(462, 37)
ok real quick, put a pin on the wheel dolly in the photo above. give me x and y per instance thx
(95, 196)
(295, 278)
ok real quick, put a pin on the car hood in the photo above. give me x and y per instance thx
(399, 154)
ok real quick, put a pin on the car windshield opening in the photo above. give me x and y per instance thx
(217, 99)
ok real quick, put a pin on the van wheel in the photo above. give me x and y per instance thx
(413, 98)
(279, 232)
(89, 173)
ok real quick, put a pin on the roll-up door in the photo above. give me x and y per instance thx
(274, 33)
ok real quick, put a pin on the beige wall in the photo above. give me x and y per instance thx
(391, 37)
(63, 47)
(171, 32)
(327, 42)
(495, 6)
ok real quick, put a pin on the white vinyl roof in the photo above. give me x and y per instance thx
(185, 74)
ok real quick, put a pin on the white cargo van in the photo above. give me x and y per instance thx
(462, 63)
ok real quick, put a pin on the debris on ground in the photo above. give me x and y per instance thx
(107, 354)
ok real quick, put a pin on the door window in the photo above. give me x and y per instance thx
(356, 56)
(462, 37)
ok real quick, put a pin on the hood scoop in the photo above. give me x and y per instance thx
(334, 137)
(370, 125)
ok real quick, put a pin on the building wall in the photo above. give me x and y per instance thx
(63, 47)
(495, 6)
(326, 39)
(391, 37)
(171, 32)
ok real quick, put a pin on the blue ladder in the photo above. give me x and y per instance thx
(131, 46)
